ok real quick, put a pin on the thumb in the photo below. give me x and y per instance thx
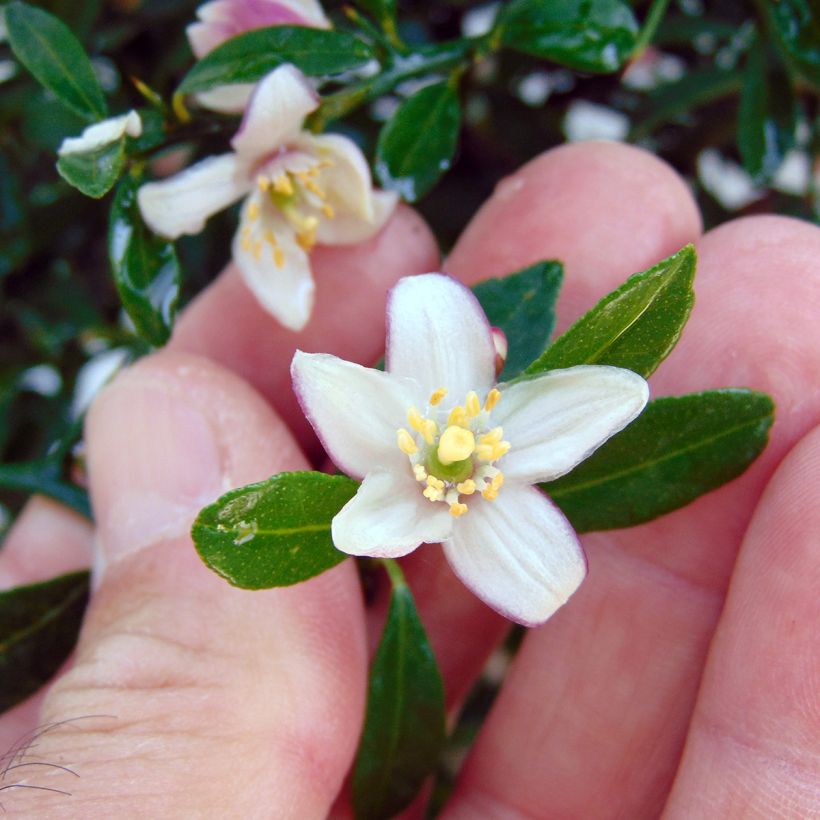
(189, 697)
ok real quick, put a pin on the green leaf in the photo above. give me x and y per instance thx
(635, 326)
(767, 116)
(523, 306)
(404, 726)
(145, 268)
(678, 449)
(274, 533)
(797, 25)
(42, 476)
(588, 35)
(248, 57)
(416, 145)
(38, 629)
(48, 49)
(95, 172)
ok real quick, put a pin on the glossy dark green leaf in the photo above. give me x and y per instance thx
(96, 172)
(404, 726)
(797, 25)
(42, 476)
(523, 306)
(416, 145)
(38, 629)
(767, 116)
(145, 268)
(678, 449)
(48, 49)
(248, 57)
(588, 35)
(635, 326)
(274, 533)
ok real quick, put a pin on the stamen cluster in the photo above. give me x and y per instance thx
(452, 453)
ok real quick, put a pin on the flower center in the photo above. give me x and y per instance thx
(301, 199)
(452, 453)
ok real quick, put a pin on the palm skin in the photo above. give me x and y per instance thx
(680, 681)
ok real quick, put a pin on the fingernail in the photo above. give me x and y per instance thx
(154, 461)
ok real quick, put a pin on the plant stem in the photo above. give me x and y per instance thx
(653, 19)
(395, 573)
(454, 54)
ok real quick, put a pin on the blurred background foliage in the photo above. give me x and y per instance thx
(725, 91)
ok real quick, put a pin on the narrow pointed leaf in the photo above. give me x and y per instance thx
(48, 49)
(635, 326)
(145, 268)
(96, 172)
(39, 624)
(417, 143)
(248, 57)
(588, 35)
(404, 727)
(523, 306)
(274, 533)
(797, 26)
(678, 449)
(767, 116)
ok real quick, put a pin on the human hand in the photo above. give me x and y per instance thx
(219, 702)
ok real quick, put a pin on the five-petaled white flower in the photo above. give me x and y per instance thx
(448, 456)
(220, 20)
(301, 190)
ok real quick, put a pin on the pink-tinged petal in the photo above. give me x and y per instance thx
(102, 133)
(279, 104)
(345, 229)
(556, 420)
(310, 11)
(354, 410)
(227, 99)
(181, 204)
(439, 335)
(389, 517)
(518, 554)
(274, 267)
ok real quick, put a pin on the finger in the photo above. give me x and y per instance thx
(606, 211)
(753, 748)
(226, 324)
(47, 540)
(616, 671)
(210, 700)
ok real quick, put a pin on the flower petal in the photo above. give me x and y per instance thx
(439, 335)
(518, 554)
(274, 267)
(101, 134)
(182, 203)
(556, 420)
(354, 410)
(279, 104)
(227, 99)
(345, 229)
(389, 517)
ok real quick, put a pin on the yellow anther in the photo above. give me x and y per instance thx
(493, 397)
(466, 487)
(405, 442)
(283, 185)
(246, 239)
(455, 444)
(419, 472)
(434, 482)
(313, 187)
(263, 183)
(489, 494)
(490, 491)
(492, 451)
(328, 211)
(472, 404)
(457, 509)
(257, 250)
(458, 416)
(306, 239)
(438, 395)
(433, 494)
(427, 427)
(278, 257)
(253, 211)
(270, 237)
(493, 436)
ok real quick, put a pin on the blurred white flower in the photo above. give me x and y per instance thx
(101, 134)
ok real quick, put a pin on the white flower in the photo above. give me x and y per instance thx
(446, 455)
(102, 134)
(220, 20)
(301, 190)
